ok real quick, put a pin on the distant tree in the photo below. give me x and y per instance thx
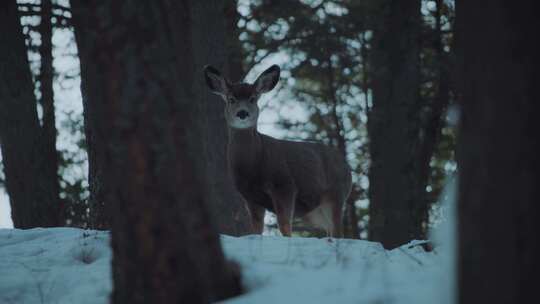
(31, 180)
(498, 149)
(235, 53)
(46, 77)
(146, 55)
(40, 19)
(436, 152)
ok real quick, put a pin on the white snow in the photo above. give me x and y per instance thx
(444, 237)
(5, 210)
(67, 265)
(54, 265)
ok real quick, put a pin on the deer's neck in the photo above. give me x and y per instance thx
(244, 150)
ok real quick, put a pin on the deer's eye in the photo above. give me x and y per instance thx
(231, 99)
(252, 99)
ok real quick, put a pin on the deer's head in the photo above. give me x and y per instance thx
(241, 110)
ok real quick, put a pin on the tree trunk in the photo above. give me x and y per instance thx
(233, 45)
(350, 220)
(93, 98)
(209, 47)
(30, 179)
(351, 217)
(498, 151)
(396, 191)
(434, 117)
(166, 249)
(46, 76)
(205, 42)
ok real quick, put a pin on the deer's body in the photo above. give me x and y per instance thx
(292, 179)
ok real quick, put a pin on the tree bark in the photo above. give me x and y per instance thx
(351, 217)
(30, 179)
(93, 98)
(396, 191)
(166, 249)
(498, 149)
(46, 77)
(209, 41)
(204, 41)
(233, 45)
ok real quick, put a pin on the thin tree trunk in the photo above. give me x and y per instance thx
(350, 221)
(46, 77)
(93, 98)
(351, 230)
(30, 180)
(498, 152)
(353, 216)
(166, 249)
(235, 57)
(396, 191)
(435, 117)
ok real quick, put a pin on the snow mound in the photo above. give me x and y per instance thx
(66, 265)
(54, 265)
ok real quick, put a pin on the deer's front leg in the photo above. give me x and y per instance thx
(283, 201)
(256, 214)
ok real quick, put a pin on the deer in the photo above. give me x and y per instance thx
(292, 179)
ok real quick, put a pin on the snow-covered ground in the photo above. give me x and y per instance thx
(67, 265)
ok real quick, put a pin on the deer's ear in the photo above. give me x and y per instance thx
(214, 80)
(267, 80)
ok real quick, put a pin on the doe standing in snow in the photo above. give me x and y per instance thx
(292, 179)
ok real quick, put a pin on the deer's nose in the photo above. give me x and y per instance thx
(242, 114)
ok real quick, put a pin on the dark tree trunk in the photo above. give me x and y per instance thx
(208, 33)
(46, 76)
(30, 179)
(351, 217)
(396, 191)
(233, 45)
(93, 98)
(222, 49)
(166, 249)
(204, 41)
(498, 152)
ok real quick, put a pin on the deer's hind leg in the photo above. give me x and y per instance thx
(333, 211)
(320, 217)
